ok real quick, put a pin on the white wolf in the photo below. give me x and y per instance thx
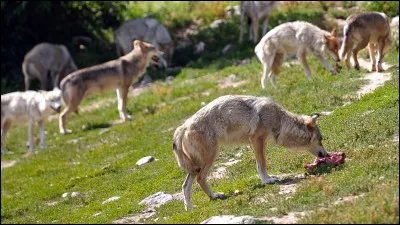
(295, 37)
(256, 11)
(148, 30)
(28, 107)
(45, 61)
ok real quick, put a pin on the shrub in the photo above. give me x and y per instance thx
(390, 8)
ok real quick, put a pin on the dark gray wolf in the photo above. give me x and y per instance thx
(45, 61)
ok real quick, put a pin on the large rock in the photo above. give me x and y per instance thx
(157, 199)
(395, 22)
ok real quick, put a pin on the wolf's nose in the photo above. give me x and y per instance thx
(321, 155)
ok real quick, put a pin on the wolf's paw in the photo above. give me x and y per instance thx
(218, 195)
(126, 117)
(189, 207)
(271, 180)
(66, 131)
(5, 152)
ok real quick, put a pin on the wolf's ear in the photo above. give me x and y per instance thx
(312, 122)
(327, 37)
(333, 32)
(136, 44)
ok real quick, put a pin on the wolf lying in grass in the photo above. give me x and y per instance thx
(28, 107)
(235, 119)
(295, 37)
(372, 29)
(117, 74)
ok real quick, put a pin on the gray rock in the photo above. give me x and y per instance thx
(156, 200)
(395, 22)
(217, 23)
(230, 219)
(228, 48)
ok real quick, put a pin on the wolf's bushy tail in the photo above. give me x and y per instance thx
(181, 157)
(259, 52)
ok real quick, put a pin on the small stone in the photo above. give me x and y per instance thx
(144, 160)
(237, 192)
(381, 178)
(75, 194)
(64, 195)
(115, 198)
(97, 214)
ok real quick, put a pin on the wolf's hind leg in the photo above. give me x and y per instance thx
(187, 187)
(267, 63)
(5, 125)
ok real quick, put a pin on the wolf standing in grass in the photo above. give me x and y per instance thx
(235, 119)
(28, 107)
(46, 61)
(117, 74)
(295, 37)
(372, 29)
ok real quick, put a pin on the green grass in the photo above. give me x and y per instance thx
(103, 165)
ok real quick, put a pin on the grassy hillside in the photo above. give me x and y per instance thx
(98, 158)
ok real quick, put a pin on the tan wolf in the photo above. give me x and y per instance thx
(295, 37)
(46, 61)
(235, 119)
(255, 11)
(370, 28)
(28, 107)
(117, 74)
(148, 30)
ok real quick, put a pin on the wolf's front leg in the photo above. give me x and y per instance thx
(259, 152)
(30, 136)
(42, 135)
(301, 55)
(326, 64)
(122, 96)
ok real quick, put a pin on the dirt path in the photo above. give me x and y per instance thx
(375, 79)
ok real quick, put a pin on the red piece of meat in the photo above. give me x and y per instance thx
(332, 159)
